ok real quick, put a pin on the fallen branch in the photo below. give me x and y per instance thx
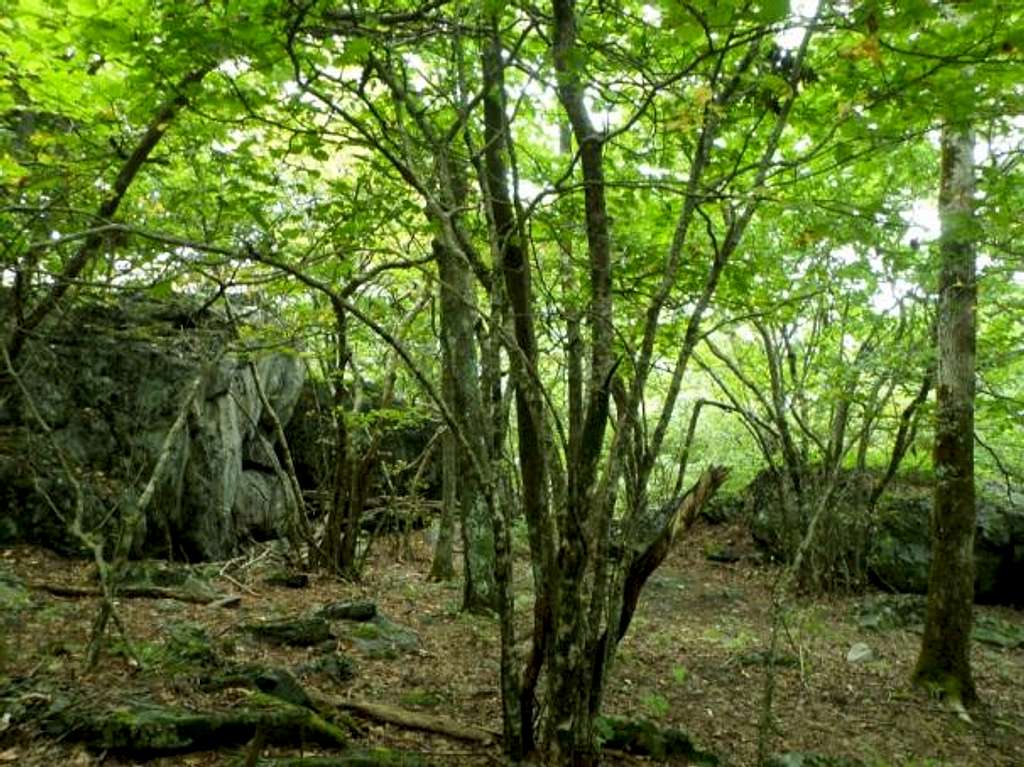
(139, 592)
(412, 720)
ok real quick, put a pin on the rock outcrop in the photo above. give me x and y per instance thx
(893, 543)
(109, 380)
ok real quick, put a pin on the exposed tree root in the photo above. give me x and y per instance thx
(412, 720)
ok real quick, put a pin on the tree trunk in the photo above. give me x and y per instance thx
(442, 568)
(944, 660)
(459, 351)
(333, 548)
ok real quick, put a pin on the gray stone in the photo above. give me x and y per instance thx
(383, 638)
(298, 632)
(337, 667)
(895, 542)
(859, 652)
(349, 611)
(110, 380)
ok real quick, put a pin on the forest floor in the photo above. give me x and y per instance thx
(693, 659)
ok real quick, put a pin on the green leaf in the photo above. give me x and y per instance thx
(494, 8)
(719, 14)
(162, 289)
(772, 11)
(356, 50)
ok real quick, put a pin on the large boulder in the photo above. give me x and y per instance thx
(900, 552)
(110, 380)
(894, 543)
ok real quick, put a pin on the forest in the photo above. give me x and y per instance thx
(543, 382)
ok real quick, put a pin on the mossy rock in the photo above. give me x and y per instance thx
(884, 612)
(149, 729)
(337, 667)
(348, 611)
(382, 638)
(997, 632)
(298, 632)
(186, 650)
(643, 737)
(190, 644)
(276, 682)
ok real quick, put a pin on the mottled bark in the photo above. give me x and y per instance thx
(514, 267)
(459, 353)
(944, 659)
(348, 491)
(568, 733)
(442, 568)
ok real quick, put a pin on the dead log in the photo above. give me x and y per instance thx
(672, 519)
(135, 592)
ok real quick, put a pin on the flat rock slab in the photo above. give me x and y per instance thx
(861, 653)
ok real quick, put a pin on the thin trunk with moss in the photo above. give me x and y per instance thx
(944, 662)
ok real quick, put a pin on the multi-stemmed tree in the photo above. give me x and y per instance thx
(589, 193)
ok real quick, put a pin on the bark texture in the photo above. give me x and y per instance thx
(459, 351)
(945, 647)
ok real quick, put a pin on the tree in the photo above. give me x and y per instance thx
(700, 171)
(944, 660)
(811, 389)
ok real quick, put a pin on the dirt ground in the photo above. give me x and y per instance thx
(691, 660)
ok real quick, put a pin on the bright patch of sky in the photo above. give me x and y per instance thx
(416, 67)
(651, 15)
(922, 219)
(292, 88)
(652, 171)
(889, 292)
(1002, 144)
(800, 10)
(235, 67)
(846, 255)
(529, 191)
(603, 119)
